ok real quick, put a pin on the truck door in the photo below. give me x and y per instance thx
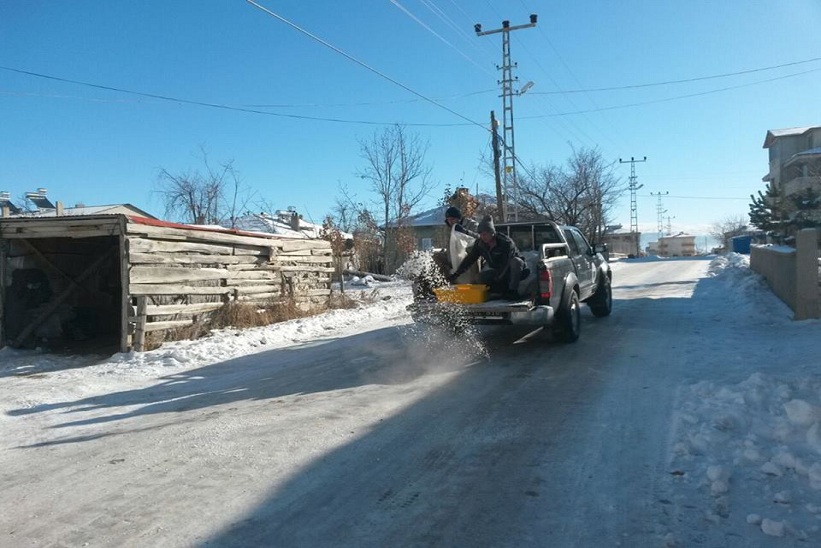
(583, 260)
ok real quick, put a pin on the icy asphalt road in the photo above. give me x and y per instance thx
(385, 438)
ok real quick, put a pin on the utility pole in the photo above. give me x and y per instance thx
(670, 225)
(660, 211)
(507, 81)
(500, 199)
(634, 216)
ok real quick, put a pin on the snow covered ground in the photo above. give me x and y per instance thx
(759, 439)
(750, 448)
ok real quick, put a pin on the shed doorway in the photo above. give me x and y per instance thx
(62, 294)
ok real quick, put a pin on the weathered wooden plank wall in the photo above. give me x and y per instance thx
(185, 274)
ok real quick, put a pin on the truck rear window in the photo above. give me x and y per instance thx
(530, 237)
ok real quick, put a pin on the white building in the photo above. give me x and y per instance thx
(680, 245)
(795, 164)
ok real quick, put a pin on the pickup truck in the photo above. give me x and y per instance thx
(564, 271)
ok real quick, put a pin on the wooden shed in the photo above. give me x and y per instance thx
(112, 278)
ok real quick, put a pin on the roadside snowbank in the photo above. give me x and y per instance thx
(752, 450)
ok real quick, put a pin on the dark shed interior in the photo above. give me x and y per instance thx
(62, 294)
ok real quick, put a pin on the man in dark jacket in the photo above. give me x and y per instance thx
(503, 265)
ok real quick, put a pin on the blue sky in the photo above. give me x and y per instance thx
(702, 138)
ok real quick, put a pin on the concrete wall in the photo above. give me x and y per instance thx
(792, 273)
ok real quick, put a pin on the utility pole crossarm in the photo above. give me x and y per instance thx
(505, 27)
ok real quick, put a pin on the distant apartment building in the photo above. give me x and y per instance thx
(622, 243)
(680, 245)
(795, 166)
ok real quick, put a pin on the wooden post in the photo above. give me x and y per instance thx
(139, 322)
(125, 301)
(497, 174)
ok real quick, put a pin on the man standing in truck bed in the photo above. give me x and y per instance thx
(503, 264)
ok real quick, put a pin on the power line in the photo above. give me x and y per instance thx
(572, 74)
(362, 64)
(668, 99)
(368, 67)
(682, 81)
(436, 34)
(171, 99)
(252, 109)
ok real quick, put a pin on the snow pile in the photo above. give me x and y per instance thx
(752, 450)
(365, 281)
(746, 290)
(755, 444)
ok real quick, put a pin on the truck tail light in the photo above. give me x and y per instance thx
(545, 284)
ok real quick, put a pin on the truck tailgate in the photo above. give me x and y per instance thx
(495, 311)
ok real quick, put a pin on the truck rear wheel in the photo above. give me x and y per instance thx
(569, 320)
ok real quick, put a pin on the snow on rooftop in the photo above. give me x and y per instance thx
(280, 224)
(431, 217)
(790, 131)
(786, 132)
(111, 209)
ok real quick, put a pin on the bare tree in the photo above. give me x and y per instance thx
(600, 190)
(583, 193)
(354, 217)
(727, 228)
(334, 235)
(538, 192)
(346, 210)
(214, 196)
(396, 170)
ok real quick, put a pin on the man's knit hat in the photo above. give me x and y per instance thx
(486, 225)
(453, 212)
